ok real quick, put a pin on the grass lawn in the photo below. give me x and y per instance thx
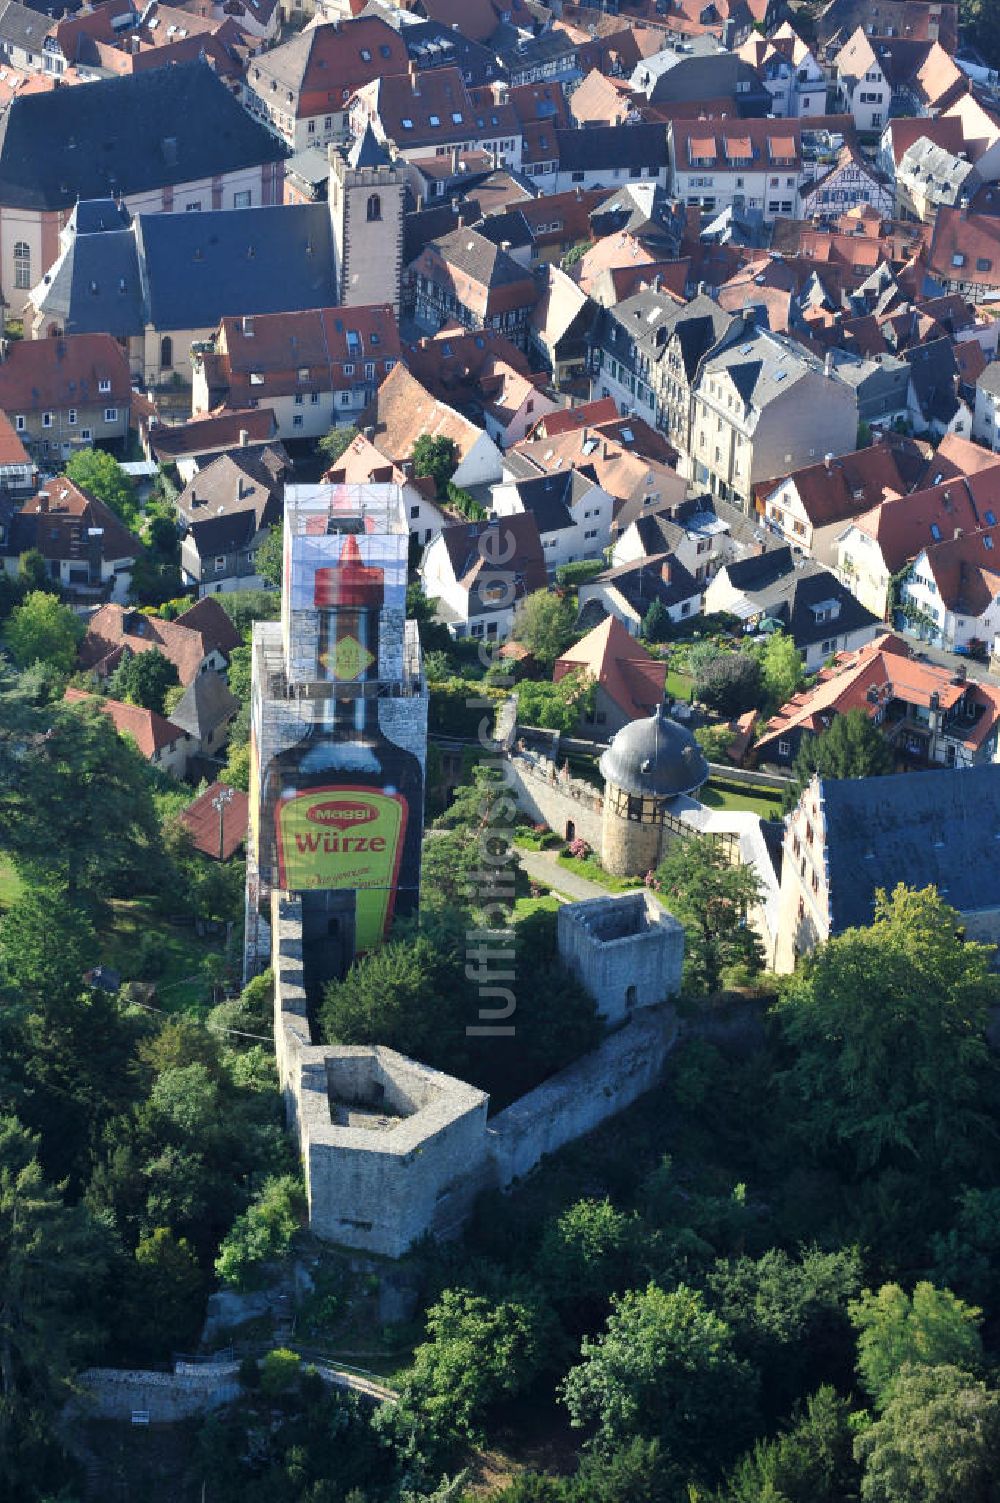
(679, 685)
(730, 796)
(181, 985)
(592, 871)
(10, 884)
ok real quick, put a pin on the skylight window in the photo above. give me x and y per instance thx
(407, 124)
(987, 542)
(935, 532)
(456, 117)
(958, 259)
(435, 119)
(991, 518)
(628, 437)
(366, 56)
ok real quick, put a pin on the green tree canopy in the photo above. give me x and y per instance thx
(41, 630)
(544, 623)
(587, 1254)
(781, 668)
(271, 555)
(75, 800)
(663, 1369)
(143, 678)
(480, 1351)
(556, 707)
(98, 472)
(887, 1028)
(436, 457)
(852, 747)
(335, 444)
(712, 898)
(931, 1327)
(936, 1441)
(51, 1256)
(729, 682)
(811, 1461)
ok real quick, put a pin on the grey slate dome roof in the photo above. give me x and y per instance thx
(655, 758)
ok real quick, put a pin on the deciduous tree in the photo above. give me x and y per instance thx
(712, 897)
(931, 1327)
(143, 678)
(99, 473)
(887, 1028)
(544, 623)
(936, 1441)
(42, 630)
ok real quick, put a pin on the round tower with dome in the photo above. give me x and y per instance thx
(648, 766)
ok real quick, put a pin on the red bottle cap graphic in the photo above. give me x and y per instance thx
(351, 582)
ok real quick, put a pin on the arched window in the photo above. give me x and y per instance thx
(374, 206)
(22, 264)
(166, 353)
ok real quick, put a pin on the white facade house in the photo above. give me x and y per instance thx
(862, 87)
(573, 514)
(986, 418)
(956, 586)
(789, 72)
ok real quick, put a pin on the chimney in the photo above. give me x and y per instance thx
(454, 161)
(702, 289)
(43, 502)
(247, 326)
(505, 246)
(828, 363)
(963, 208)
(665, 571)
(414, 80)
(244, 438)
(828, 461)
(958, 533)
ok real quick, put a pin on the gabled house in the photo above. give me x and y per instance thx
(403, 410)
(986, 419)
(749, 166)
(628, 591)
(431, 110)
(936, 403)
(819, 613)
(88, 550)
(66, 394)
(952, 594)
(929, 178)
(849, 838)
(764, 406)
(628, 680)
(881, 543)
(692, 533)
(225, 514)
(192, 445)
(113, 628)
(789, 72)
(464, 276)
(302, 89)
(205, 712)
(314, 369)
(605, 156)
(850, 181)
(811, 507)
(362, 464)
(863, 89)
(628, 459)
(928, 714)
(159, 740)
(477, 573)
(572, 511)
(964, 253)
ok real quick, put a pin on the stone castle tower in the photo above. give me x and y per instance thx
(648, 765)
(367, 190)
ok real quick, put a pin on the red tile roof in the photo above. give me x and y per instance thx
(283, 354)
(115, 627)
(202, 821)
(965, 248)
(219, 430)
(71, 514)
(842, 488)
(903, 528)
(51, 374)
(149, 731)
(623, 668)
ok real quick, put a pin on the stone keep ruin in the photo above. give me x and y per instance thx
(393, 1150)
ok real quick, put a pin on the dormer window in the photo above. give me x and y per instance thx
(104, 385)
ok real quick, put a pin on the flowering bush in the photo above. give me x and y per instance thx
(579, 849)
(652, 880)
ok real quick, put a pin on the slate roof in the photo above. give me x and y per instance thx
(659, 577)
(477, 258)
(204, 705)
(549, 498)
(143, 131)
(214, 624)
(937, 828)
(95, 286)
(604, 147)
(199, 267)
